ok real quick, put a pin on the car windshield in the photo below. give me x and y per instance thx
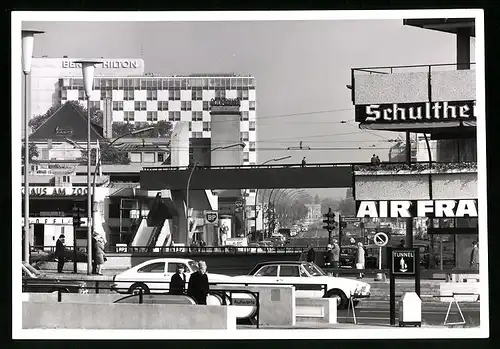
(32, 269)
(313, 269)
(193, 265)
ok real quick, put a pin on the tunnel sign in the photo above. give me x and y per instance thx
(211, 217)
(403, 261)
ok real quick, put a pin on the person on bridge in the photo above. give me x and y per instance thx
(60, 253)
(178, 281)
(198, 286)
(373, 160)
(311, 254)
(304, 162)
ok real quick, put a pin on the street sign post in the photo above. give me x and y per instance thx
(403, 262)
(380, 239)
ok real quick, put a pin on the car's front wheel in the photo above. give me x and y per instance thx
(344, 301)
(138, 288)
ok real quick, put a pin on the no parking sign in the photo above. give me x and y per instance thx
(381, 239)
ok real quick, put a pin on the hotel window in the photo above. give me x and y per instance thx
(206, 105)
(128, 116)
(174, 116)
(128, 95)
(196, 116)
(95, 105)
(206, 126)
(185, 105)
(106, 94)
(246, 157)
(137, 84)
(120, 84)
(220, 93)
(64, 94)
(97, 84)
(144, 84)
(118, 105)
(190, 126)
(174, 95)
(244, 136)
(140, 105)
(251, 125)
(152, 116)
(160, 157)
(152, 95)
(196, 95)
(251, 145)
(162, 105)
(81, 94)
(251, 105)
(244, 116)
(164, 84)
(197, 134)
(243, 94)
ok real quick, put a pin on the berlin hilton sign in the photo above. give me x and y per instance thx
(110, 63)
(416, 112)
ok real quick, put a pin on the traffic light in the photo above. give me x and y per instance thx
(329, 220)
(77, 219)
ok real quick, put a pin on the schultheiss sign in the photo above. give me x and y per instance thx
(417, 208)
(416, 112)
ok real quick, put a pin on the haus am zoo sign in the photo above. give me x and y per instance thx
(56, 191)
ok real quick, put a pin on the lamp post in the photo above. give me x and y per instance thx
(257, 191)
(88, 82)
(27, 42)
(240, 144)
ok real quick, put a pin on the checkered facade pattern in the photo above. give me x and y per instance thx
(151, 99)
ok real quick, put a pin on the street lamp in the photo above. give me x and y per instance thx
(257, 191)
(27, 40)
(240, 144)
(88, 82)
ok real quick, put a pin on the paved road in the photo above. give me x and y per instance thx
(431, 315)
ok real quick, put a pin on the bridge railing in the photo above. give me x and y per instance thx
(356, 166)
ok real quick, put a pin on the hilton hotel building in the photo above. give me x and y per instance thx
(121, 86)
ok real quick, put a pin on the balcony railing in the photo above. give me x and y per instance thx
(436, 167)
(420, 68)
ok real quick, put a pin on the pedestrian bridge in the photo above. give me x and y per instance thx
(288, 176)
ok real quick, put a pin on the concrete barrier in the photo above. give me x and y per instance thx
(157, 299)
(317, 309)
(127, 316)
(448, 288)
(277, 303)
(107, 298)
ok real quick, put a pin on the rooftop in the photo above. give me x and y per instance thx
(447, 25)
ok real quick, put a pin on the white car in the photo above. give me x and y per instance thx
(153, 276)
(306, 273)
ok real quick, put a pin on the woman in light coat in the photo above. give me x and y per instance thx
(100, 256)
(360, 259)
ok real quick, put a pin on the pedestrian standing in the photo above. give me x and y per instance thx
(474, 257)
(378, 160)
(198, 286)
(60, 253)
(94, 253)
(360, 259)
(328, 256)
(336, 256)
(402, 244)
(178, 281)
(373, 160)
(304, 161)
(100, 256)
(311, 254)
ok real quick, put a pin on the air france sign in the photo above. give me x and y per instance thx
(417, 208)
(108, 63)
(416, 112)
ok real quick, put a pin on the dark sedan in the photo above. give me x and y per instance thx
(37, 282)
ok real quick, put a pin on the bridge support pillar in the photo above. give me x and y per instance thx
(180, 226)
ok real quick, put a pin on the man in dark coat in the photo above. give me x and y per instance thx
(94, 254)
(198, 284)
(60, 253)
(474, 256)
(402, 244)
(311, 254)
(178, 281)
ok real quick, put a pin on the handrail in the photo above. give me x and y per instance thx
(312, 165)
(412, 66)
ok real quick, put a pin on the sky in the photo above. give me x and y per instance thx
(301, 70)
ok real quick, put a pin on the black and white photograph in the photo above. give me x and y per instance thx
(249, 175)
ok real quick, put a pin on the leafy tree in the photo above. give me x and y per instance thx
(110, 155)
(121, 128)
(36, 121)
(33, 151)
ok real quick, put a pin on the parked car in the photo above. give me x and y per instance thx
(153, 276)
(36, 281)
(301, 272)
